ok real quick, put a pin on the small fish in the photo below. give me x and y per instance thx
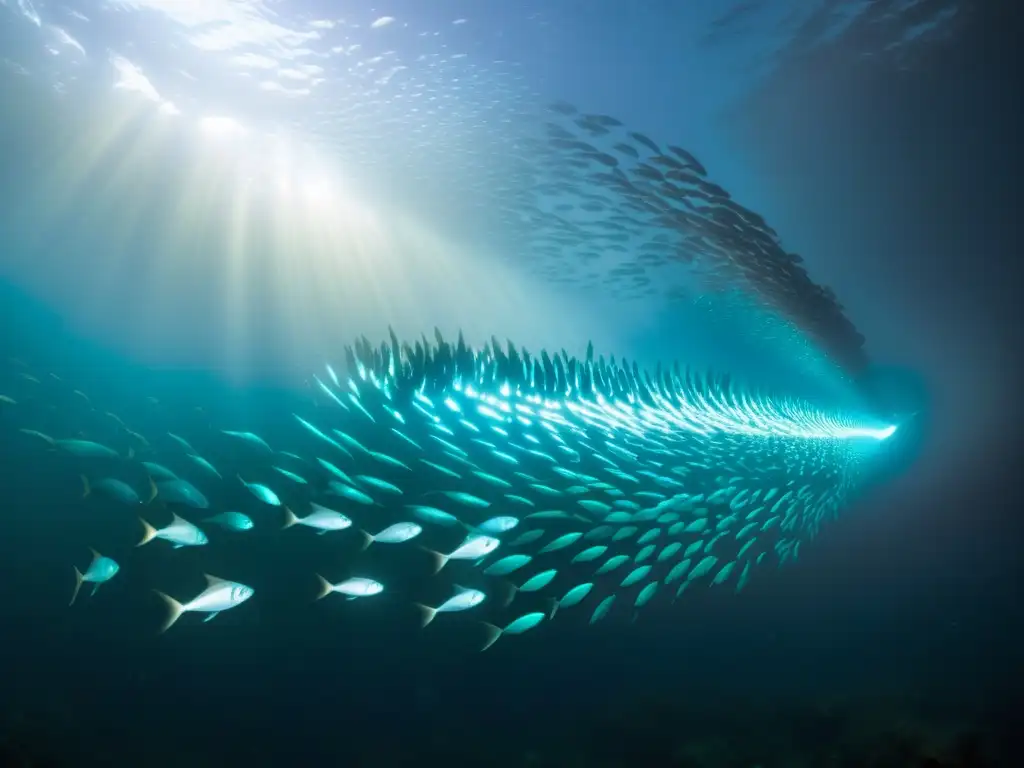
(492, 479)
(722, 576)
(595, 507)
(101, 570)
(233, 521)
(219, 595)
(443, 470)
(298, 479)
(575, 595)
(467, 499)
(182, 442)
(563, 541)
(611, 564)
(206, 465)
(380, 485)
(702, 568)
(321, 518)
(390, 461)
(86, 449)
(669, 551)
(501, 524)
(396, 533)
(351, 588)
(590, 553)
(350, 493)
(338, 473)
(182, 492)
(645, 595)
(538, 581)
(433, 515)
(519, 500)
(475, 546)
(463, 601)
(602, 609)
(644, 553)
(516, 627)
(526, 537)
(678, 571)
(320, 435)
(637, 574)
(158, 471)
(249, 438)
(507, 565)
(115, 489)
(262, 493)
(181, 533)
(549, 514)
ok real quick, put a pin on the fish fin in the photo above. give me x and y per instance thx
(554, 608)
(79, 578)
(325, 587)
(427, 614)
(322, 531)
(290, 519)
(95, 555)
(95, 588)
(211, 617)
(509, 591)
(177, 519)
(148, 533)
(350, 598)
(35, 433)
(439, 560)
(367, 540)
(174, 611)
(177, 546)
(153, 491)
(86, 490)
(493, 633)
(212, 581)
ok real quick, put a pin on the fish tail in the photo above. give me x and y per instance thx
(153, 491)
(367, 539)
(86, 490)
(493, 633)
(174, 611)
(79, 578)
(427, 612)
(554, 607)
(509, 592)
(290, 519)
(439, 560)
(148, 533)
(325, 587)
(35, 433)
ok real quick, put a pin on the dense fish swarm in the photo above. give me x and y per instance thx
(609, 208)
(534, 483)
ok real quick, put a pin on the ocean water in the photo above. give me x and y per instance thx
(376, 245)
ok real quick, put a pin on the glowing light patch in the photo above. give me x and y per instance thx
(219, 126)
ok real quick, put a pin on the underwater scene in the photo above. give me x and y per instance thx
(505, 384)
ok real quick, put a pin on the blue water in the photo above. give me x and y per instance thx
(203, 202)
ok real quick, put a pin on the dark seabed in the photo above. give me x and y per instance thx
(892, 641)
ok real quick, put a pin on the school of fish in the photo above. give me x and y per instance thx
(564, 192)
(527, 485)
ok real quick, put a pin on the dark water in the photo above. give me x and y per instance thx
(895, 640)
(866, 647)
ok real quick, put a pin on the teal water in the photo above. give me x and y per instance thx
(206, 204)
